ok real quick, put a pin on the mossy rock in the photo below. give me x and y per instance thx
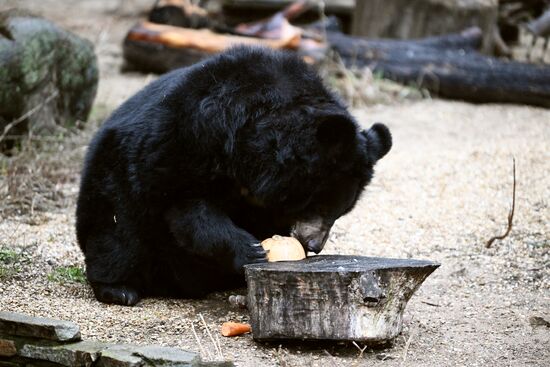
(46, 69)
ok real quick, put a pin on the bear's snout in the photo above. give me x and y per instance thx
(312, 234)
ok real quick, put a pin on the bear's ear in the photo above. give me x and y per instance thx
(378, 140)
(336, 133)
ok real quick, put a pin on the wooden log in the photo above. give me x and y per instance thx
(540, 26)
(180, 13)
(448, 71)
(244, 11)
(332, 297)
(159, 48)
(405, 19)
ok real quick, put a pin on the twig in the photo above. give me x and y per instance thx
(332, 360)
(360, 355)
(280, 357)
(510, 214)
(407, 344)
(204, 352)
(430, 303)
(216, 346)
(26, 115)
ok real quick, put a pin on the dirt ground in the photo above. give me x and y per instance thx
(443, 190)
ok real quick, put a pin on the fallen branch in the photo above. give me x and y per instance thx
(510, 214)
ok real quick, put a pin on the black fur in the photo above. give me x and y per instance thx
(185, 178)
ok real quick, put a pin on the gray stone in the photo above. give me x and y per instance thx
(46, 66)
(83, 353)
(119, 356)
(166, 356)
(173, 357)
(38, 327)
(7, 348)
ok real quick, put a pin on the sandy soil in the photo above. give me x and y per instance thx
(443, 190)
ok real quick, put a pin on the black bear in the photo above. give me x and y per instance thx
(184, 179)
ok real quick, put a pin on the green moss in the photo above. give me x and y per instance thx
(8, 263)
(68, 274)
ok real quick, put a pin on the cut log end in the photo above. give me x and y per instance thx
(332, 297)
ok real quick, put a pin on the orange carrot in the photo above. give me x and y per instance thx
(235, 328)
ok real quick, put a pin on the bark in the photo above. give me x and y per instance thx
(405, 19)
(450, 69)
(332, 297)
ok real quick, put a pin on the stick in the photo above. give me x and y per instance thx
(407, 345)
(216, 346)
(29, 113)
(510, 215)
(204, 352)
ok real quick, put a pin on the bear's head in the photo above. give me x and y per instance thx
(292, 146)
(311, 170)
(352, 155)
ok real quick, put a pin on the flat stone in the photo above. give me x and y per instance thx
(166, 356)
(38, 327)
(119, 356)
(83, 353)
(7, 348)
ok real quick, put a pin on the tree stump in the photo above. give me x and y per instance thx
(48, 77)
(404, 19)
(332, 297)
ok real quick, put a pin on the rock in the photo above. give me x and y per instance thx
(119, 356)
(45, 342)
(166, 356)
(46, 70)
(172, 357)
(83, 353)
(538, 321)
(7, 348)
(38, 327)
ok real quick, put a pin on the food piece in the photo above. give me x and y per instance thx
(281, 248)
(235, 328)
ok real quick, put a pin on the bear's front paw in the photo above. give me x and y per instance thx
(116, 294)
(249, 254)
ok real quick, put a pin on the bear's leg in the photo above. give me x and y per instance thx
(205, 231)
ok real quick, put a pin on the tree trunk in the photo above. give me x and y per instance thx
(449, 68)
(332, 297)
(405, 19)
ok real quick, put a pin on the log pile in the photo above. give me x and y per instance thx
(449, 66)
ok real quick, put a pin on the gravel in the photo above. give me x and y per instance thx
(440, 194)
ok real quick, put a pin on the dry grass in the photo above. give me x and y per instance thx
(40, 173)
(360, 87)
